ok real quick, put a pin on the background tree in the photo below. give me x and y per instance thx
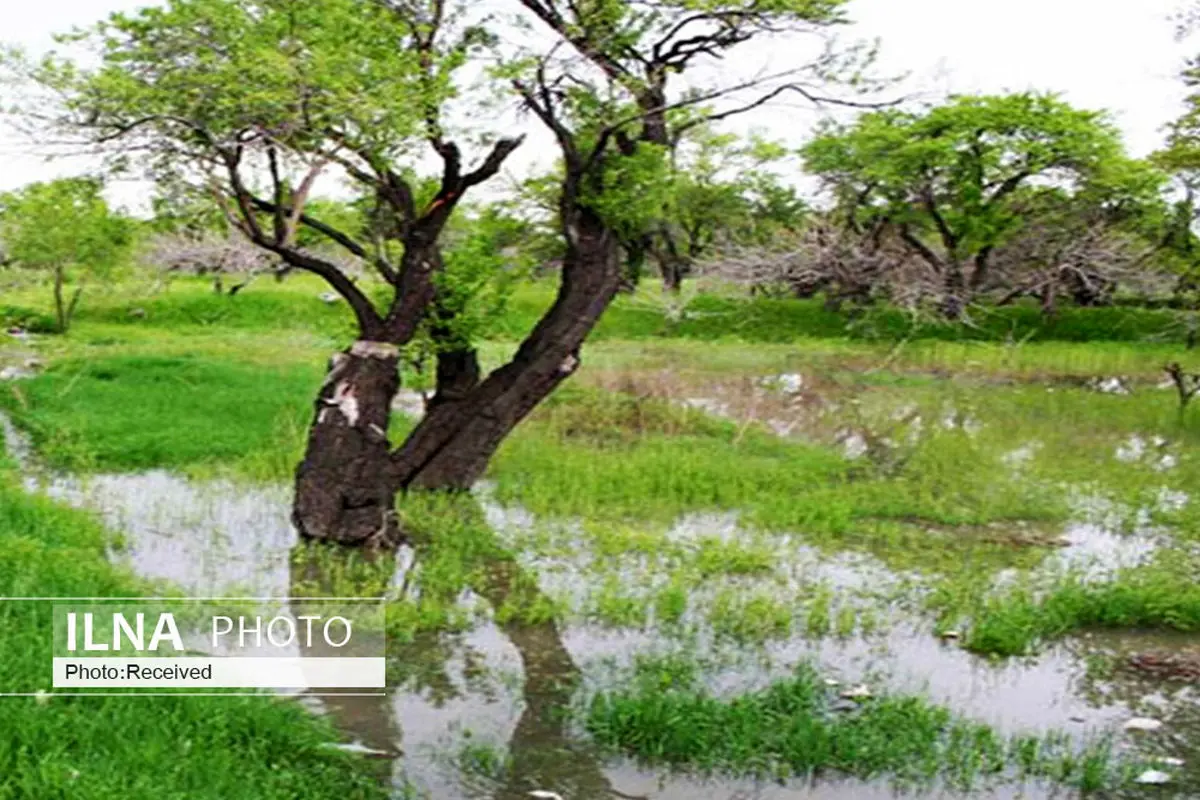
(724, 192)
(223, 257)
(1086, 241)
(947, 179)
(64, 227)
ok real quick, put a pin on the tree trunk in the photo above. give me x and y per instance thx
(452, 445)
(671, 264)
(60, 308)
(343, 490)
(955, 292)
(1050, 300)
(346, 486)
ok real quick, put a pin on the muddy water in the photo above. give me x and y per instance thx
(501, 686)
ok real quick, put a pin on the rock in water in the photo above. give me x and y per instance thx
(1142, 724)
(1153, 776)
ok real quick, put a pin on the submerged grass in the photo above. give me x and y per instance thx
(133, 747)
(665, 715)
(1162, 595)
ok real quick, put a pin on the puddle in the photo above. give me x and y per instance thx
(212, 538)
(500, 686)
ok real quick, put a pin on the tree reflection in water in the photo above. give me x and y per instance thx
(542, 755)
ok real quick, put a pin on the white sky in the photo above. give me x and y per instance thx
(1107, 54)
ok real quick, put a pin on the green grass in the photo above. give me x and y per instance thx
(1159, 596)
(664, 715)
(127, 413)
(134, 747)
(713, 315)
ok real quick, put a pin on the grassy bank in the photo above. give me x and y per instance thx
(133, 747)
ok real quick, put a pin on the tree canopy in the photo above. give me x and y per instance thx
(949, 180)
(256, 99)
(61, 226)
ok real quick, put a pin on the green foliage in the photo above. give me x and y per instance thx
(199, 72)
(630, 190)
(61, 224)
(953, 171)
(728, 191)
(484, 264)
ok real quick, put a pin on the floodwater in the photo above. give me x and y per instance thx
(502, 686)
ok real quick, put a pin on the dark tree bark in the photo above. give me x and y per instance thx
(672, 265)
(452, 445)
(956, 294)
(342, 489)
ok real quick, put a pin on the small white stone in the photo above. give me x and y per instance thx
(951, 634)
(860, 692)
(330, 297)
(1142, 724)
(14, 374)
(831, 682)
(356, 747)
(1153, 776)
(542, 794)
(1169, 761)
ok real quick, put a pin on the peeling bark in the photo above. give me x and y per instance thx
(342, 488)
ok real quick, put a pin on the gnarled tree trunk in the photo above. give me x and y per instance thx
(346, 487)
(343, 491)
(955, 293)
(452, 445)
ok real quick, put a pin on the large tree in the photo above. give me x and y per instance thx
(725, 191)
(259, 98)
(948, 179)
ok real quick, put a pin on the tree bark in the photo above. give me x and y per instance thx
(955, 292)
(60, 309)
(343, 492)
(451, 447)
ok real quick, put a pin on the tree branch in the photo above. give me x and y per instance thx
(921, 248)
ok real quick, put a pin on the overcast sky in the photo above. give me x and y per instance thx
(1099, 53)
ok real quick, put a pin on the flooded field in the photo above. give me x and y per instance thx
(492, 701)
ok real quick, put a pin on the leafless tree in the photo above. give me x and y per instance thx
(221, 256)
(846, 265)
(1049, 261)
